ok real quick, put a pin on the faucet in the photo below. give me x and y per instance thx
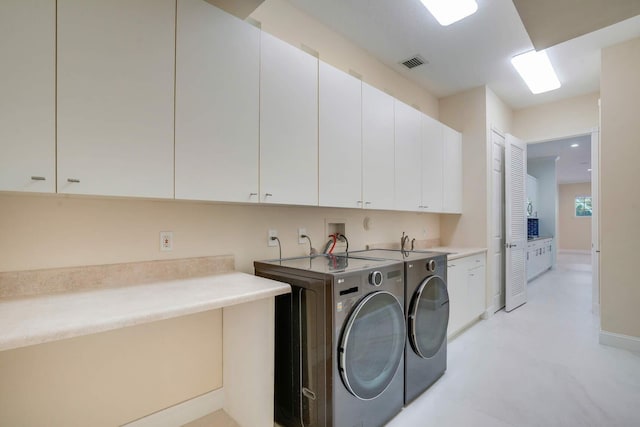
(413, 242)
(403, 241)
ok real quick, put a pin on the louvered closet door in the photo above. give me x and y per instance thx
(516, 222)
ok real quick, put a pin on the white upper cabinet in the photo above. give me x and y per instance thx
(288, 124)
(408, 157)
(27, 101)
(377, 148)
(452, 196)
(116, 97)
(217, 105)
(432, 164)
(340, 138)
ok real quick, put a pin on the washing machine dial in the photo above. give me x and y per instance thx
(375, 278)
(431, 265)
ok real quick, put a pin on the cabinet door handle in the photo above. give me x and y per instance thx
(73, 180)
(367, 203)
(253, 194)
(359, 202)
(267, 195)
(38, 178)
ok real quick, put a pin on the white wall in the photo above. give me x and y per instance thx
(568, 117)
(619, 191)
(574, 233)
(544, 169)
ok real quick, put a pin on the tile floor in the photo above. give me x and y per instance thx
(540, 365)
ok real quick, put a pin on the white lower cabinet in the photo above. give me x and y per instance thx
(466, 284)
(539, 257)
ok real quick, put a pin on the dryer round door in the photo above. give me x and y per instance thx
(372, 345)
(429, 317)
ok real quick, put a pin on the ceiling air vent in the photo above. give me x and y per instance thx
(413, 62)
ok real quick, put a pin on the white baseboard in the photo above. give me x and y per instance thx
(184, 412)
(625, 342)
(574, 251)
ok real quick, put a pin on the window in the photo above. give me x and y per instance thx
(583, 206)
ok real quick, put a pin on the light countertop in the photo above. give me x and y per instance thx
(535, 239)
(455, 252)
(44, 318)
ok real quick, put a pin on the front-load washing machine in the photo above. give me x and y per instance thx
(427, 315)
(340, 340)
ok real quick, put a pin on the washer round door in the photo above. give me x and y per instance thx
(372, 345)
(429, 317)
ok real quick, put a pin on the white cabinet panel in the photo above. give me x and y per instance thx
(408, 156)
(217, 105)
(432, 164)
(27, 101)
(452, 197)
(466, 284)
(115, 97)
(378, 148)
(458, 300)
(288, 124)
(340, 138)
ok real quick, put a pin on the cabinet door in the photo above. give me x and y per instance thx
(27, 104)
(408, 156)
(476, 283)
(377, 148)
(288, 124)
(217, 97)
(452, 197)
(115, 97)
(340, 138)
(458, 299)
(432, 164)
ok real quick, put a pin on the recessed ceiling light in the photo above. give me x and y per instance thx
(447, 12)
(575, 145)
(536, 71)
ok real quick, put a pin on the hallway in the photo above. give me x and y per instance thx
(540, 365)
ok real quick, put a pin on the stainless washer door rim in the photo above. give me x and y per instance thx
(413, 314)
(393, 357)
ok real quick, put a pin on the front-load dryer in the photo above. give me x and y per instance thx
(340, 341)
(427, 316)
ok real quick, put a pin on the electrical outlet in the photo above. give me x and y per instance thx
(166, 241)
(302, 232)
(272, 233)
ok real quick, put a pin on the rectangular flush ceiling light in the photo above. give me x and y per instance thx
(536, 71)
(449, 11)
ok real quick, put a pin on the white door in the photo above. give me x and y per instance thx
(27, 100)
(217, 95)
(595, 206)
(497, 233)
(288, 124)
(432, 164)
(115, 103)
(340, 138)
(408, 156)
(516, 222)
(452, 197)
(377, 148)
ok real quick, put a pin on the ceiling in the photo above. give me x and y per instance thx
(573, 163)
(472, 52)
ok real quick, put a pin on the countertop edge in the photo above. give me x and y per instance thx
(457, 252)
(17, 340)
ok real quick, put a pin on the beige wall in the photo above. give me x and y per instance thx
(499, 115)
(280, 18)
(144, 370)
(111, 378)
(620, 175)
(569, 117)
(574, 233)
(139, 371)
(466, 113)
